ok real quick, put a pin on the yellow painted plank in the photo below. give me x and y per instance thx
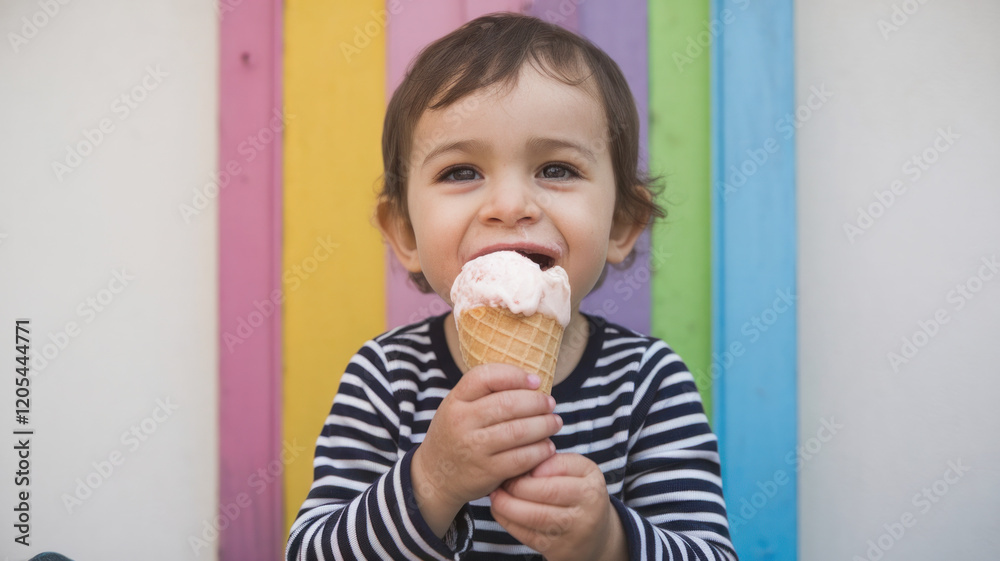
(334, 271)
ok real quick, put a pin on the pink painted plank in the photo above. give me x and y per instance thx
(476, 8)
(620, 29)
(249, 273)
(418, 24)
(409, 31)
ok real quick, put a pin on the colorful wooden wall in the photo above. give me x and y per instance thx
(710, 81)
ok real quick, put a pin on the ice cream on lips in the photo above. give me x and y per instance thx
(510, 280)
(507, 309)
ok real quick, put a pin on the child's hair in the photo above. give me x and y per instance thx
(492, 49)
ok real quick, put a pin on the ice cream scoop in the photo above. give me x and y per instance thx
(508, 310)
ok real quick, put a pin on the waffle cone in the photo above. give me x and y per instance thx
(489, 335)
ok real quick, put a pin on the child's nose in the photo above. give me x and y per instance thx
(511, 202)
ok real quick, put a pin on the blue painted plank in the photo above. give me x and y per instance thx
(754, 261)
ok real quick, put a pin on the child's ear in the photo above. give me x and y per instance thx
(625, 232)
(399, 234)
(623, 238)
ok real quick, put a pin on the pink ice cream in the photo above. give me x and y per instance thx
(510, 280)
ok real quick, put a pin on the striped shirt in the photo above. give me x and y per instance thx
(630, 406)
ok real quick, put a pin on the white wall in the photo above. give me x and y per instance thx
(860, 297)
(63, 240)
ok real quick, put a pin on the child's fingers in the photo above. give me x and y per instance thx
(530, 537)
(513, 404)
(485, 379)
(520, 432)
(515, 461)
(573, 465)
(555, 491)
(542, 518)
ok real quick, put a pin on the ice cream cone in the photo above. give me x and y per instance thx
(490, 334)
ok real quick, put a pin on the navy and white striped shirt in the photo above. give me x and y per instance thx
(630, 406)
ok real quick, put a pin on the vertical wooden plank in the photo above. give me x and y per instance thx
(565, 13)
(680, 151)
(249, 274)
(754, 258)
(416, 25)
(408, 32)
(333, 266)
(620, 29)
(475, 8)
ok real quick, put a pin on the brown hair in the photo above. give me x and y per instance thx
(492, 49)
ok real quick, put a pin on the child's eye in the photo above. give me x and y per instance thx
(459, 174)
(558, 171)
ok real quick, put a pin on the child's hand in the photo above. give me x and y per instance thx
(492, 426)
(562, 509)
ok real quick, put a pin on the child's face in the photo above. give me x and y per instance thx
(524, 169)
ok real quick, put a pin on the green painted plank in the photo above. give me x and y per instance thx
(680, 151)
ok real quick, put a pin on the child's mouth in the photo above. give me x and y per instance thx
(543, 261)
(544, 256)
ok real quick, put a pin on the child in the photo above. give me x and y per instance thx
(511, 133)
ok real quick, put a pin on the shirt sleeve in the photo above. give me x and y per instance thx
(361, 504)
(672, 506)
